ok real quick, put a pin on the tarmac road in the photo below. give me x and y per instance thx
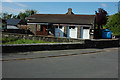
(78, 63)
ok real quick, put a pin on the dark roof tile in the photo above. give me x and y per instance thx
(61, 18)
(13, 21)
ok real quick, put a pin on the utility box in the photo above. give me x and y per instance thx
(106, 34)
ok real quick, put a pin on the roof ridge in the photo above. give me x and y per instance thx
(67, 14)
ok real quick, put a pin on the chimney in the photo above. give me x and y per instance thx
(69, 11)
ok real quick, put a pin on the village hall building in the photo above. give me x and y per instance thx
(67, 25)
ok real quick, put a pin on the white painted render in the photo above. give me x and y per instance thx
(12, 27)
(85, 33)
(59, 32)
(39, 23)
(72, 32)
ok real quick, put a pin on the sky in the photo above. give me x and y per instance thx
(80, 7)
(59, 0)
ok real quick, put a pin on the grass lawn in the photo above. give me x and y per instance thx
(21, 41)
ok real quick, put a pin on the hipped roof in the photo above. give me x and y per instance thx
(61, 19)
(13, 21)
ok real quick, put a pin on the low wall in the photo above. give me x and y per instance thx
(20, 31)
(40, 47)
(44, 38)
(102, 43)
(71, 44)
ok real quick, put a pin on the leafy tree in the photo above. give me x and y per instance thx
(6, 16)
(113, 23)
(23, 15)
(30, 12)
(14, 16)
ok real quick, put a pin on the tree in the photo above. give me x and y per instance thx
(6, 16)
(101, 18)
(113, 23)
(23, 15)
(14, 16)
(30, 12)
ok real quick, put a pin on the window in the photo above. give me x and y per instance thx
(60, 27)
(72, 27)
(85, 27)
(39, 27)
(56, 26)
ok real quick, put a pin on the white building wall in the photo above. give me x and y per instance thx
(59, 31)
(72, 32)
(85, 33)
(12, 27)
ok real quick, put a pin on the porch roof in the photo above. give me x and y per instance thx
(61, 19)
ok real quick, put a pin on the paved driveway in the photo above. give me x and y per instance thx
(78, 63)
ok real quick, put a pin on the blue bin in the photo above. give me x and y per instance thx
(106, 34)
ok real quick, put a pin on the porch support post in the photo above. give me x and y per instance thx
(78, 31)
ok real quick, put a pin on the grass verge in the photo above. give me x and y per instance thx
(22, 41)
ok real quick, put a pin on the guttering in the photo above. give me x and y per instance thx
(39, 23)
